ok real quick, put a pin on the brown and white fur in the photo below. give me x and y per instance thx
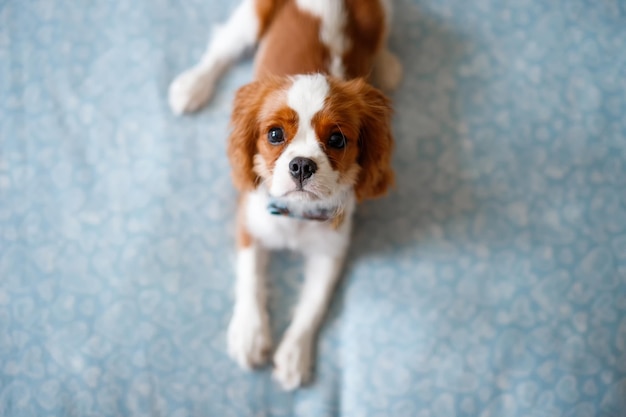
(311, 137)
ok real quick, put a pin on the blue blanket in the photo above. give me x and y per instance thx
(491, 282)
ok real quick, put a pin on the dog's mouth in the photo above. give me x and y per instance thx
(301, 194)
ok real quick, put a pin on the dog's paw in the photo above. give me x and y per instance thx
(387, 71)
(249, 338)
(292, 362)
(190, 91)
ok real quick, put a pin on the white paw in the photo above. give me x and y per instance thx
(292, 362)
(249, 338)
(387, 71)
(190, 91)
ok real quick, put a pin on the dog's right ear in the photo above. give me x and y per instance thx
(243, 137)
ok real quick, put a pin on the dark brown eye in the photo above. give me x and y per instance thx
(276, 136)
(337, 140)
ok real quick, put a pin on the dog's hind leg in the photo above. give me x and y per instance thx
(387, 71)
(194, 87)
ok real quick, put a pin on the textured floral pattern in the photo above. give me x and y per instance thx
(490, 283)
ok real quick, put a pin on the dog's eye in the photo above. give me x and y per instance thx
(337, 140)
(276, 136)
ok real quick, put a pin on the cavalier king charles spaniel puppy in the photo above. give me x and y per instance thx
(311, 138)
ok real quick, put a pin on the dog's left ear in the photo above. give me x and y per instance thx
(375, 142)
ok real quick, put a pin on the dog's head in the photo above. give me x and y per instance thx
(311, 138)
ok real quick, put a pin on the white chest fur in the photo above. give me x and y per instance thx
(305, 236)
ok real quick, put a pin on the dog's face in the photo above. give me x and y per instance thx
(311, 138)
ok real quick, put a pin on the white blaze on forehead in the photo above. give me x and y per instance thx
(307, 95)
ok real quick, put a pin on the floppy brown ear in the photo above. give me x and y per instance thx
(375, 143)
(242, 140)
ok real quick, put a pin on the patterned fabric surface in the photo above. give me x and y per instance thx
(490, 283)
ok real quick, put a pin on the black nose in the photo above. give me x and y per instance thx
(302, 168)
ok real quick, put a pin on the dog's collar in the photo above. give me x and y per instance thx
(333, 215)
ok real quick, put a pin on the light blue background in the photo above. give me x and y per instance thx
(490, 283)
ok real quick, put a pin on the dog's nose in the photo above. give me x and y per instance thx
(302, 168)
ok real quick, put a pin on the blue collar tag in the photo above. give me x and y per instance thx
(321, 214)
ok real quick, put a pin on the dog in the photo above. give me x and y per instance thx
(311, 137)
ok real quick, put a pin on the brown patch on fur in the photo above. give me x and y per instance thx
(338, 115)
(291, 44)
(244, 239)
(276, 116)
(338, 220)
(364, 115)
(266, 10)
(366, 30)
(242, 142)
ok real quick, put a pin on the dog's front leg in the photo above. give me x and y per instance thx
(293, 358)
(193, 88)
(249, 336)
